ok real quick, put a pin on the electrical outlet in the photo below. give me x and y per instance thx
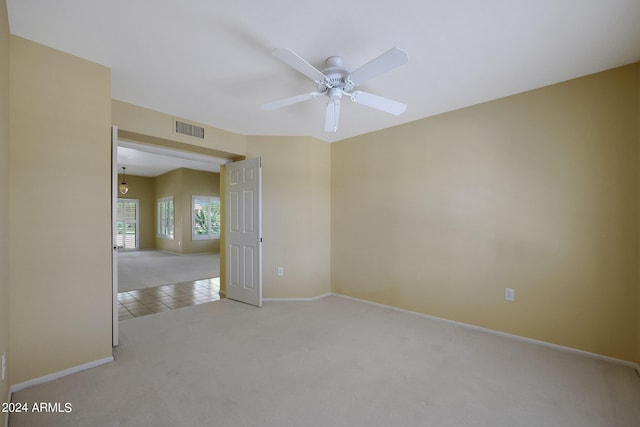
(509, 294)
(4, 365)
(280, 271)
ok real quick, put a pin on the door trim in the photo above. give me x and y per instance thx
(114, 234)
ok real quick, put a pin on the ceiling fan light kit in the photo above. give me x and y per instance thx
(334, 81)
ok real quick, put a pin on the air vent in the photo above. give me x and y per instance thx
(189, 129)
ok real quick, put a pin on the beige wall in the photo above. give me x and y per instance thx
(153, 127)
(537, 192)
(295, 214)
(638, 306)
(143, 189)
(182, 184)
(168, 185)
(4, 190)
(198, 183)
(60, 271)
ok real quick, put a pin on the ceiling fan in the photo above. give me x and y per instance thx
(335, 81)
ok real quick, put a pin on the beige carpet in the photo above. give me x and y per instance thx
(149, 269)
(332, 362)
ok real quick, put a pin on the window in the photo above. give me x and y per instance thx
(165, 217)
(205, 215)
(127, 218)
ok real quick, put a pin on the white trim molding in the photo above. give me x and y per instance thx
(297, 299)
(54, 376)
(6, 416)
(504, 334)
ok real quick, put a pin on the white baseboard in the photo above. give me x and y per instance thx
(6, 416)
(297, 299)
(504, 334)
(54, 376)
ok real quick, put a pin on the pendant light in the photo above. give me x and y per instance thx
(124, 188)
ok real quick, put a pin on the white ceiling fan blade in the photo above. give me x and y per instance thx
(378, 102)
(292, 59)
(333, 116)
(387, 61)
(274, 105)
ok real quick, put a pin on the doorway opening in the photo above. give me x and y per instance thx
(166, 257)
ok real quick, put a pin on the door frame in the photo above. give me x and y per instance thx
(157, 149)
(114, 236)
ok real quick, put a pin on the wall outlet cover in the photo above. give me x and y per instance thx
(509, 294)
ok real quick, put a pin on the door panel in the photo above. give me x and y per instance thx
(249, 261)
(244, 232)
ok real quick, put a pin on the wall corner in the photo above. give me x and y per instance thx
(638, 221)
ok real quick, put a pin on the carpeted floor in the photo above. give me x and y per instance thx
(149, 269)
(332, 362)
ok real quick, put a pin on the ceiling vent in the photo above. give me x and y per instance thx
(189, 129)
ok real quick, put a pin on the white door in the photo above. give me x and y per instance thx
(244, 231)
(114, 231)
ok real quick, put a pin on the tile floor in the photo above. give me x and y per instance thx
(142, 302)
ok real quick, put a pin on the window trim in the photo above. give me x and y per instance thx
(170, 235)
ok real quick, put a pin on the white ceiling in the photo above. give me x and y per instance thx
(211, 62)
(152, 161)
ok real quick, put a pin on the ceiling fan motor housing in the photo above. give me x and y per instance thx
(336, 76)
(335, 94)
